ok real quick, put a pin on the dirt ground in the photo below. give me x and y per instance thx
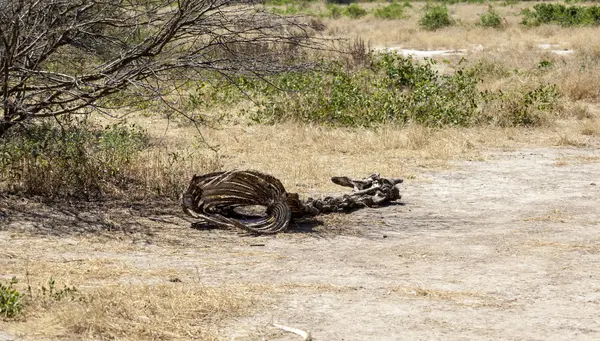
(507, 247)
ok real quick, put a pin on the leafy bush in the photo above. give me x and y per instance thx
(391, 11)
(75, 158)
(10, 300)
(521, 107)
(491, 18)
(562, 15)
(436, 17)
(70, 157)
(335, 11)
(355, 11)
(396, 89)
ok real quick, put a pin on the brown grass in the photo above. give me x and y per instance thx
(555, 216)
(138, 312)
(120, 294)
(590, 247)
(591, 128)
(463, 298)
(305, 157)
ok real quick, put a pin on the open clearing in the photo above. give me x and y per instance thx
(505, 248)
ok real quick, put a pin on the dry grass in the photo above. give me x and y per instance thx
(555, 216)
(591, 128)
(137, 312)
(565, 140)
(466, 34)
(513, 48)
(578, 160)
(121, 294)
(462, 298)
(305, 157)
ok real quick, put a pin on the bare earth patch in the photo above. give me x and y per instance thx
(506, 248)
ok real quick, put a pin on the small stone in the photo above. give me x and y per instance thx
(593, 184)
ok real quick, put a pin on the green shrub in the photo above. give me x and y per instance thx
(335, 11)
(69, 157)
(391, 11)
(396, 89)
(491, 19)
(10, 300)
(561, 15)
(355, 11)
(520, 107)
(435, 17)
(545, 64)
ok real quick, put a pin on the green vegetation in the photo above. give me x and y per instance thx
(10, 300)
(51, 293)
(561, 15)
(521, 107)
(336, 10)
(397, 89)
(436, 17)
(70, 157)
(394, 10)
(355, 11)
(491, 18)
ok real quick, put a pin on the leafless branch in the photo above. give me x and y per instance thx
(66, 56)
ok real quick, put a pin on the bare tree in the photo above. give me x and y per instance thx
(68, 56)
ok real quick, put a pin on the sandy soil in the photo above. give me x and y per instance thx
(506, 248)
